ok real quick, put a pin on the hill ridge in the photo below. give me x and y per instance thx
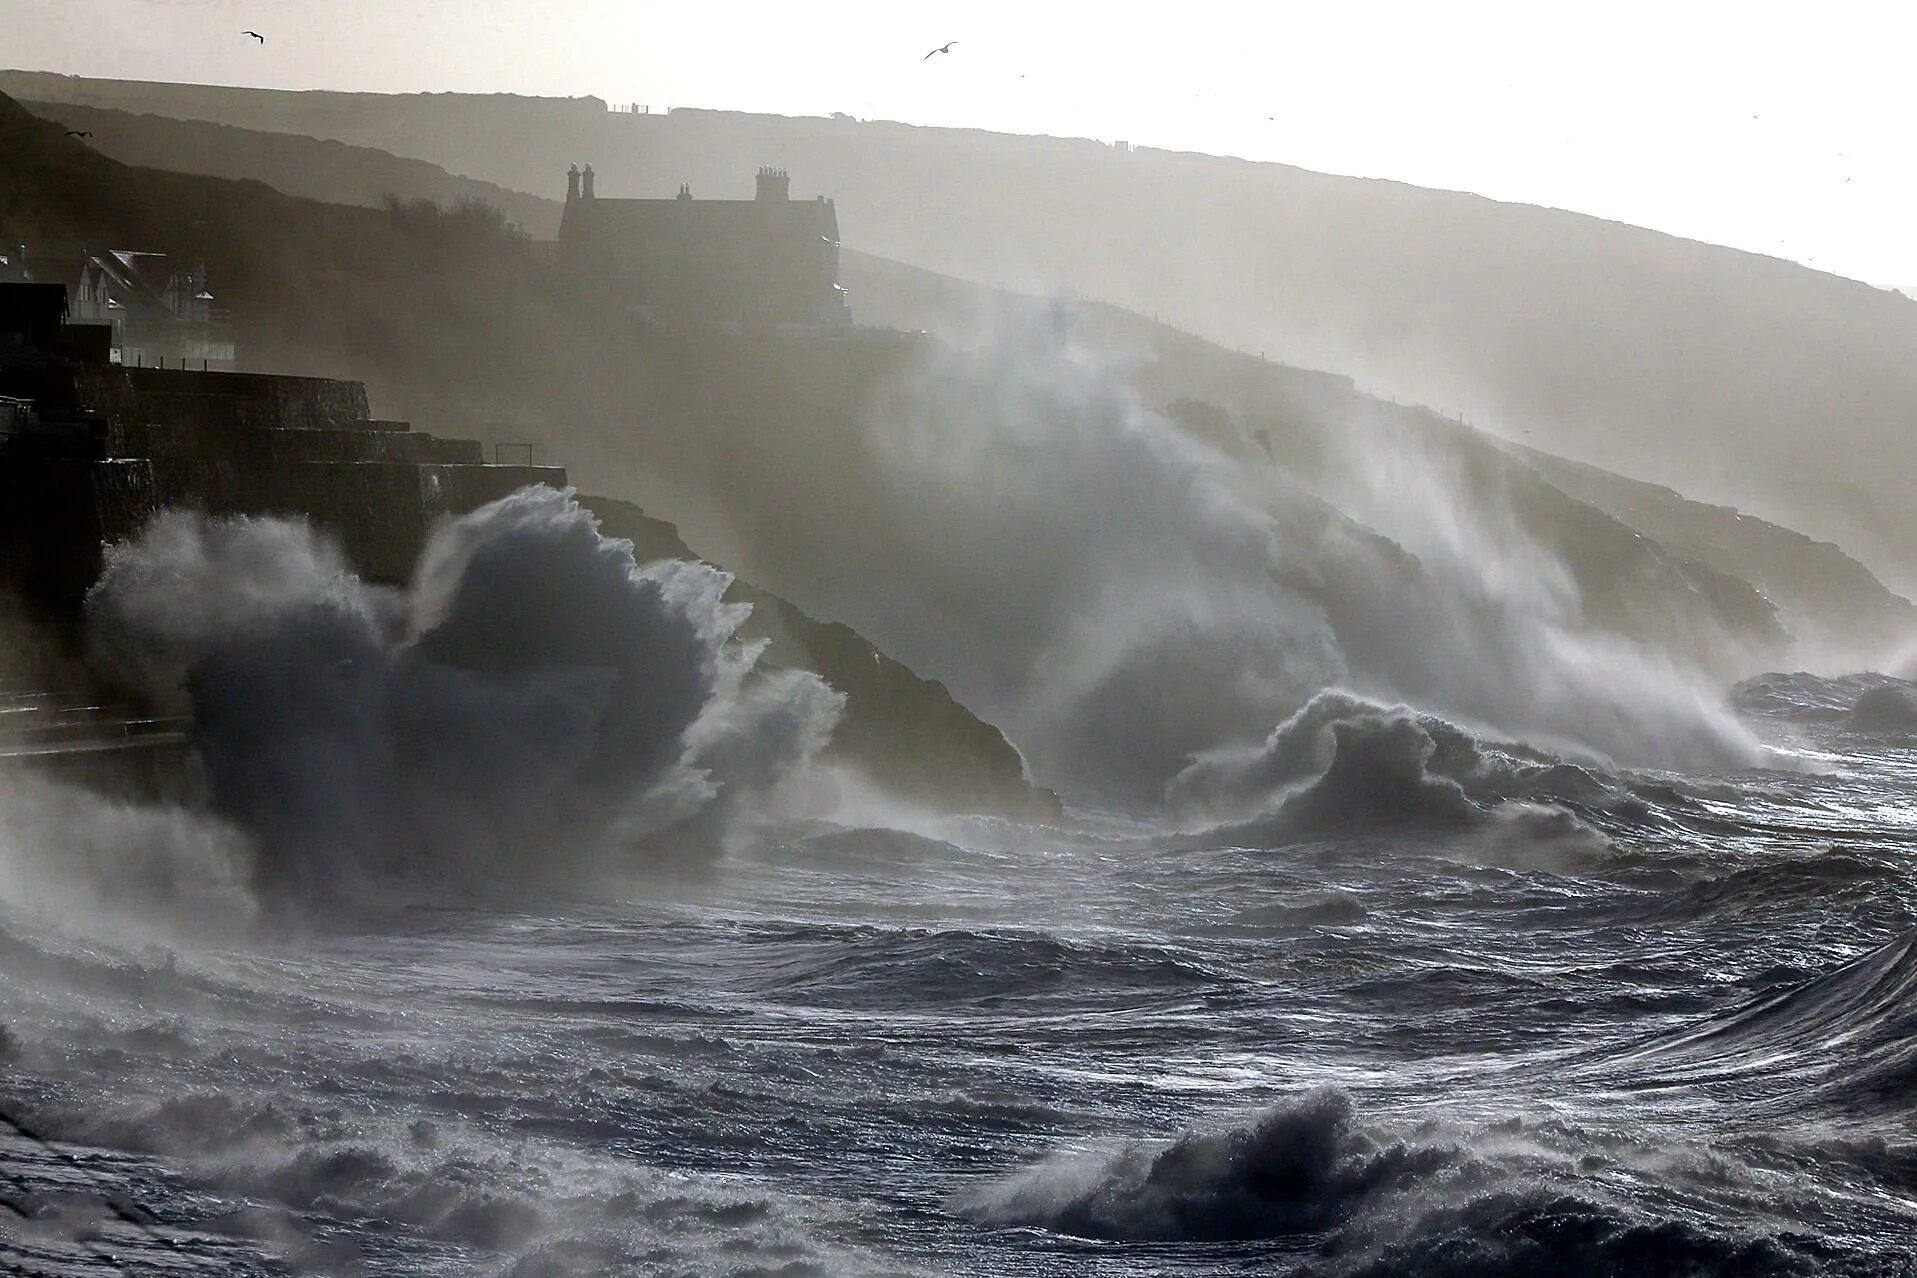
(1745, 379)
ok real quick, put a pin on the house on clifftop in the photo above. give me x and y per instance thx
(770, 260)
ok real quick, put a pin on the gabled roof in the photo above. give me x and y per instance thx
(136, 281)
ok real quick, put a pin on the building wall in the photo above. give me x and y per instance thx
(745, 261)
(122, 396)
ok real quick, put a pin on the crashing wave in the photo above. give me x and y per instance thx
(533, 704)
(1293, 1169)
(1307, 1178)
(1812, 697)
(1347, 763)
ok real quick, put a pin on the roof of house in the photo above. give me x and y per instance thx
(136, 280)
(129, 275)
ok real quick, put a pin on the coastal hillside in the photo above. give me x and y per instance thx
(1742, 379)
(1833, 603)
(306, 281)
(318, 169)
(349, 290)
(1825, 601)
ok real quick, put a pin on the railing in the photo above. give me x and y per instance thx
(503, 449)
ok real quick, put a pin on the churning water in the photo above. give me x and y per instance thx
(1443, 1007)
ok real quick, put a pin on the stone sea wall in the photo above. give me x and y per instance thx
(147, 440)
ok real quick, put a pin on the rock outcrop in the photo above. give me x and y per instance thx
(907, 734)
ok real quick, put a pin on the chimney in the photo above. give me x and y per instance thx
(572, 184)
(585, 179)
(774, 185)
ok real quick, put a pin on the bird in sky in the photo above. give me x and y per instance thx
(256, 35)
(944, 48)
(78, 133)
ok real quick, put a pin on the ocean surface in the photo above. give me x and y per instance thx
(1549, 1019)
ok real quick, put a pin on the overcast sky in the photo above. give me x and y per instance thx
(1779, 128)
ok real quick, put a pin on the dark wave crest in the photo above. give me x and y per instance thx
(1310, 1183)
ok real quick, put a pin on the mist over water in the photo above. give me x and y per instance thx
(122, 869)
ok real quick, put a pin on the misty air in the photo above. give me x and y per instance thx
(989, 640)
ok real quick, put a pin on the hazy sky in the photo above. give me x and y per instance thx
(1780, 128)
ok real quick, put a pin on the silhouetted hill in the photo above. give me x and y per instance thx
(314, 168)
(1833, 602)
(1743, 378)
(307, 281)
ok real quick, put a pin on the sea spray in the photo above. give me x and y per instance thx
(1121, 594)
(1120, 605)
(135, 872)
(1332, 1195)
(1501, 632)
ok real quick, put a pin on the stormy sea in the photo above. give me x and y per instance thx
(521, 927)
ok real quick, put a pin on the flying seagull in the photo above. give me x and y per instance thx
(256, 35)
(78, 133)
(944, 48)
